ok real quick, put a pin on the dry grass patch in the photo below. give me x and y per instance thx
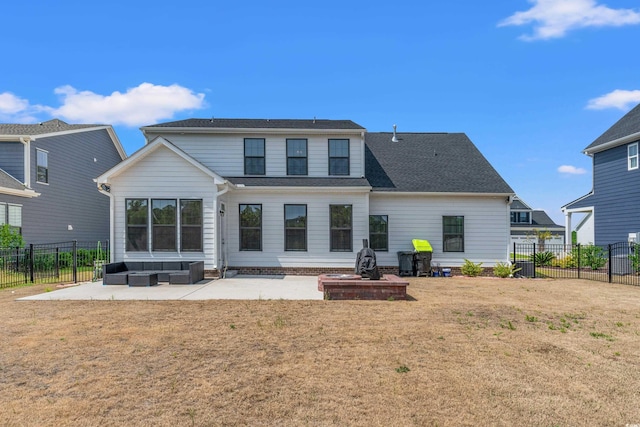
(463, 352)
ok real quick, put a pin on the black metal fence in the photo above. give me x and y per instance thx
(613, 263)
(65, 262)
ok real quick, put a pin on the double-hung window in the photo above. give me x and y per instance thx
(453, 234)
(295, 227)
(137, 224)
(341, 225)
(191, 225)
(164, 224)
(379, 232)
(297, 157)
(254, 163)
(520, 217)
(42, 166)
(250, 227)
(338, 157)
(632, 156)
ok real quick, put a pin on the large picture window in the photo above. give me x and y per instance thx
(137, 224)
(250, 227)
(453, 234)
(520, 217)
(338, 157)
(297, 157)
(379, 232)
(164, 224)
(632, 152)
(340, 217)
(254, 156)
(42, 166)
(12, 215)
(295, 227)
(191, 225)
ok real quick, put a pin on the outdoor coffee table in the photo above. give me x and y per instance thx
(143, 279)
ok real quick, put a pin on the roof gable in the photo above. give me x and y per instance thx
(628, 125)
(429, 162)
(147, 150)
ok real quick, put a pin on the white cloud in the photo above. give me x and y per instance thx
(141, 105)
(11, 104)
(620, 99)
(571, 170)
(553, 18)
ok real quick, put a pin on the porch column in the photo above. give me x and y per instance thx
(567, 228)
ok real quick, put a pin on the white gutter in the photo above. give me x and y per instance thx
(362, 155)
(620, 141)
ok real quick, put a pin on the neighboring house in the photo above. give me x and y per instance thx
(526, 222)
(268, 196)
(47, 191)
(613, 204)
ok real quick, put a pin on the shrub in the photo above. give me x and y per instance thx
(505, 269)
(568, 261)
(593, 256)
(471, 269)
(543, 259)
(10, 238)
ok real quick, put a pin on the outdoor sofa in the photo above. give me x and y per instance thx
(131, 272)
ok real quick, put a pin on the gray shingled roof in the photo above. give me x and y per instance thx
(539, 218)
(298, 182)
(8, 181)
(50, 126)
(429, 162)
(260, 124)
(518, 204)
(627, 125)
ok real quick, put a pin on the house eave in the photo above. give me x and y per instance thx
(20, 193)
(439, 194)
(267, 131)
(612, 144)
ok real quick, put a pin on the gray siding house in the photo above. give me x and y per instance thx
(613, 205)
(525, 221)
(47, 191)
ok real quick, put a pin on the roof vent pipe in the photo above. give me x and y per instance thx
(395, 138)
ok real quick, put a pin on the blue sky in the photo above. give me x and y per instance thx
(531, 82)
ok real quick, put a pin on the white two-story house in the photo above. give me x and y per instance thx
(300, 196)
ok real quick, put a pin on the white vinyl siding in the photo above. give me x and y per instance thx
(224, 154)
(486, 226)
(164, 175)
(318, 252)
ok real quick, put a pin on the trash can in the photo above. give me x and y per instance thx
(405, 264)
(423, 263)
(422, 257)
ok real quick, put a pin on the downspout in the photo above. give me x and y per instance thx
(223, 233)
(362, 154)
(26, 140)
(509, 201)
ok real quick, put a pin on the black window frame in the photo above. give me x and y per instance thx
(247, 229)
(380, 234)
(186, 228)
(335, 159)
(143, 228)
(162, 238)
(42, 171)
(292, 229)
(336, 231)
(517, 217)
(448, 236)
(294, 159)
(249, 158)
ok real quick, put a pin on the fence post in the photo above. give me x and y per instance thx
(579, 260)
(31, 262)
(534, 261)
(610, 275)
(57, 263)
(514, 253)
(75, 261)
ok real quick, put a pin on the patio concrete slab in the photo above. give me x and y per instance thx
(236, 288)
